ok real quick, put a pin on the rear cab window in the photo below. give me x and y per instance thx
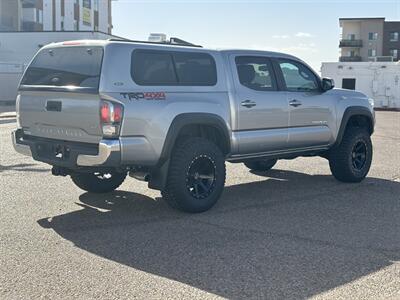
(173, 68)
(255, 72)
(73, 66)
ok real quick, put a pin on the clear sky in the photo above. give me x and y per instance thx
(308, 29)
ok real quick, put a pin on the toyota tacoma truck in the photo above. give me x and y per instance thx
(173, 114)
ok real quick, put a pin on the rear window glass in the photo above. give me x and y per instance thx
(67, 66)
(173, 68)
(153, 68)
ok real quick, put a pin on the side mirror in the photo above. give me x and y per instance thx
(327, 84)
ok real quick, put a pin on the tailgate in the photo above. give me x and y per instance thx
(58, 97)
(60, 115)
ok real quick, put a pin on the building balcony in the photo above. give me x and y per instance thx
(350, 58)
(351, 43)
(381, 58)
(31, 26)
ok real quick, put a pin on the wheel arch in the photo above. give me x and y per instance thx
(183, 124)
(357, 116)
(187, 122)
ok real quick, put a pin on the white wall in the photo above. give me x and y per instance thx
(69, 15)
(351, 27)
(103, 15)
(47, 15)
(10, 75)
(57, 16)
(378, 80)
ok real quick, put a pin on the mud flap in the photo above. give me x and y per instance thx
(158, 178)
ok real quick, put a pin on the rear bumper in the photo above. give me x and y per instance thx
(68, 154)
(106, 150)
(18, 146)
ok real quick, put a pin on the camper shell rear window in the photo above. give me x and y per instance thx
(173, 68)
(76, 66)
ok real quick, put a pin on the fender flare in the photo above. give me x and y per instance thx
(185, 119)
(354, 111)
(160, 172)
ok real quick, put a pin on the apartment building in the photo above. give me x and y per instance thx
(55, 15)
(369, 39)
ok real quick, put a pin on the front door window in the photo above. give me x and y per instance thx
(298, 77)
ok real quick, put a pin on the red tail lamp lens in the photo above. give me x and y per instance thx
(117, 113)
(105, 112)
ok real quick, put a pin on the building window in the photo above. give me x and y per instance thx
(76, 25)
(371, 52)
(96, 5)
(39, 16)
(28, 4)
(373, 36)
(351, 36)
(394, 53)
(394, 36)
(62, 23)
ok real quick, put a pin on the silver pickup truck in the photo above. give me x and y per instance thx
(173, 114)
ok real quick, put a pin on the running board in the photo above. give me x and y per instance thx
(278, 154)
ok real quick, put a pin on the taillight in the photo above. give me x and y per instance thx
(111, 114)
(105, 112)
(117, 113)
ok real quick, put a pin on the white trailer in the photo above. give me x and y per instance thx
(378, 80)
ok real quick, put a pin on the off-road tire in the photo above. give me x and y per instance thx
(93, 183)
(261, 165)
(341, 157)
(186, 155)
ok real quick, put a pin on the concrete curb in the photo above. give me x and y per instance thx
(386, 109)
(11, 114)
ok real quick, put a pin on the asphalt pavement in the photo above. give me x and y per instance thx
(291, 233)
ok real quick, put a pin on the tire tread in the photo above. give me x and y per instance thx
(339, 156)
(173, 193)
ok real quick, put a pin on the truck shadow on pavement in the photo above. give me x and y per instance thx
(27, 167)
(291, 235)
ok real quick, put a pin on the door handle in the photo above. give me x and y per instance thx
(248, 103)
(295, 103)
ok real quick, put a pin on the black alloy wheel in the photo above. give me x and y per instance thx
(200, 180)
(359, 155)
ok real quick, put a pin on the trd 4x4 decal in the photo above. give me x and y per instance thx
(144, 96)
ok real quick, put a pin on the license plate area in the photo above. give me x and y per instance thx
(55, 151)
(58, 152)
